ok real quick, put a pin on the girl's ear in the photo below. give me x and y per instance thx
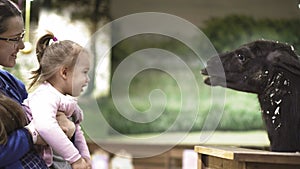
(63, 72)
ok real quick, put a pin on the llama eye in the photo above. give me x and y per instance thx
(241, 57)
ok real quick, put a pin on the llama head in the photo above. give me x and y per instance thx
(250, 67)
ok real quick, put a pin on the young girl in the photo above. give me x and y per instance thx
(62, 73)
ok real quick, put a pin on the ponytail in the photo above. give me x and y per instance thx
(41, 46)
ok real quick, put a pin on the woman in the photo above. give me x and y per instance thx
(17, 153)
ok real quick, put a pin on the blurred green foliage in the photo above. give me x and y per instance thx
(230, 32)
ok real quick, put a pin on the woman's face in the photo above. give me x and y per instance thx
(11, 41)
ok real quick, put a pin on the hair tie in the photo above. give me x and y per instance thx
(54, 39)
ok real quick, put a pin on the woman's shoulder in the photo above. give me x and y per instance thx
(4, 73)
(8, 77)
(12, 86)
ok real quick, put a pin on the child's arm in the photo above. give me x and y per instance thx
(44, 109)
(81, 144)
(79, 140)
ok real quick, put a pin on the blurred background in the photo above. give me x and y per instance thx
(227, 24)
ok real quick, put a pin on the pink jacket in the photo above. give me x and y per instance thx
(44, 103)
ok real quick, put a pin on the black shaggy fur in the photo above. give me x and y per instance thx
(272, 71)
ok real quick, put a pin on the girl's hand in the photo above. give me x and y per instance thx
(80, 164)
(89, 162)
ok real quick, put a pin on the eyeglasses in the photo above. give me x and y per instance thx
(14, 40)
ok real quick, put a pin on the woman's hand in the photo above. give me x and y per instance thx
(65, 124)
(36, 138)
(40, 141)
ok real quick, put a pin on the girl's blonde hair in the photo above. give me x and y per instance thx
(12, 117)
(51, 56)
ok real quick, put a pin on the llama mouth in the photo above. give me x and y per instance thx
(206, 77)
(213, 79)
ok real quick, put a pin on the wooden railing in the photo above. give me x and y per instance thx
(226, 157)
(209, 156)
(169, 159)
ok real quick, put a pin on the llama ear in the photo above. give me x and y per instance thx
(285, 61)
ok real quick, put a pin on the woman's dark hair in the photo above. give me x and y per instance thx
(8, 9)
(12, 117)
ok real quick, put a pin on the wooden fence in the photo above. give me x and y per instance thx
(226, 157)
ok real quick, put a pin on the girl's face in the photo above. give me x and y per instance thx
(11, 41)
(79, 76)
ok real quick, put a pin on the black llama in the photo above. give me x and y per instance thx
(272, 71)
